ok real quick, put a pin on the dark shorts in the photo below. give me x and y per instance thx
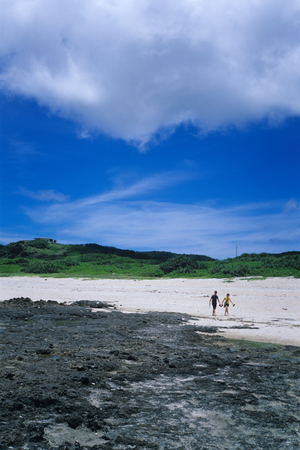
(214, 304)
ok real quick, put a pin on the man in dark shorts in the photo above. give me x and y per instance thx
(213, 300)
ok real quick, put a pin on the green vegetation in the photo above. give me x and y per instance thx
(182, 264)
(92, 260)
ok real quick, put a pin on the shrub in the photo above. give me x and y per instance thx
(202, 266)
(68, 262)
(217, 267)
(42, 267)
(231, 270)
(13, 250)
(39, 243)
(180, 264)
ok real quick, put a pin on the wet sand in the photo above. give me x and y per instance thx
(265, 310)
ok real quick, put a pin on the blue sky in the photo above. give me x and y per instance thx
(151, 126)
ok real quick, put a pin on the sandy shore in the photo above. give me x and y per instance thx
(266, 310)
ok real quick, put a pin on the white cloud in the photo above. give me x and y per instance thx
(49, 195)
(292, 206)
(132, 68)
(119, 220)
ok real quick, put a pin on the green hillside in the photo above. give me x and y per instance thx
(47, 257)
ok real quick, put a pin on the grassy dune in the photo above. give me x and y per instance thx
(91, 260)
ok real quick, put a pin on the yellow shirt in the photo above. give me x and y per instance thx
(227, 300)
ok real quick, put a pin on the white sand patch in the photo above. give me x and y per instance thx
(271, 307)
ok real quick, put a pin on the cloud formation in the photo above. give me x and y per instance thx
(49, 195)
(292, 206)
(120, 219)
(133, 68)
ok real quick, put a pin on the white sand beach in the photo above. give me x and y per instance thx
(265, 310)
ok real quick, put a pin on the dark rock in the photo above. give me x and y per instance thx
(43, 402)
(91, 304)
(43, 351)
(74, 420)
(18, 302)
(139, 381)
(85, 380)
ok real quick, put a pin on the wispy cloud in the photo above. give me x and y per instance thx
(134, 68)
(121, 219)
(138, 189)
(292, 206)
(49, 195)
(22, 150)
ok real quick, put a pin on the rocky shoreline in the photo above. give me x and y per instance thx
(88, 376)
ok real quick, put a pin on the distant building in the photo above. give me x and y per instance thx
(53, 241)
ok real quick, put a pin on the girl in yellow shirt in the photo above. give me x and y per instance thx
(226, 302)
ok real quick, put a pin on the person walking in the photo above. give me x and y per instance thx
(226, 302)
(213, 300)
